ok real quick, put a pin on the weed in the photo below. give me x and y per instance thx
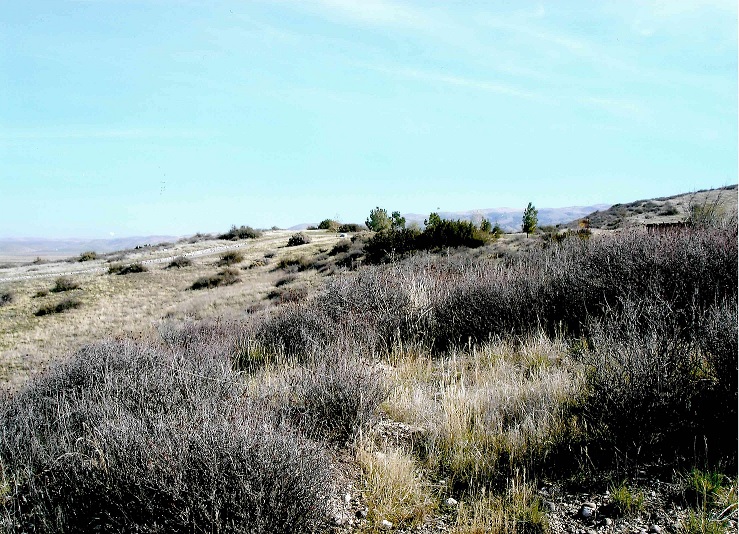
(625, 502)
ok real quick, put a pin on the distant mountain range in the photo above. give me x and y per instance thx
(29, 247)
(509, 219)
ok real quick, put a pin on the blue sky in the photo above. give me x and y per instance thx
(171, 117)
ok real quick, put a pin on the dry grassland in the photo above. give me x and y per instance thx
(134, 305)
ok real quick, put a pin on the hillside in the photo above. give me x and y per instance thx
(663, 210)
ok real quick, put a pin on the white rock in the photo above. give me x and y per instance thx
(451, 502)
(386, 525)
(586, 511)
(347, 498)
(655, 529)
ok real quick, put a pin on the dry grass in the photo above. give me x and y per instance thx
(394, 487)
(132, 305)
(488, 409)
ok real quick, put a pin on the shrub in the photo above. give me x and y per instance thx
(230, 258)
(289, 279)
(342, 246)
(241, 232)
(225, 277)
(351, 228)
(297, 240)
(59, 307)
(64, 283)
(333, 398)
(328, 224)
(131, 268)
(130, 438)
(179, 262)
(6, 298)
(295, 331)
(88, 256)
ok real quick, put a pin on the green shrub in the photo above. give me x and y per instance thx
(297, 240)
(328, 224)
(88, 256)
(179, 262)
(230, 258)
(241, 232)
(625, 502)
(350, 228)
(130, 268)
(59, 307)
(64, 283)
(225, 277)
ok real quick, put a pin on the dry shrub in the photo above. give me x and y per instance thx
(179, 262)
(128, 438)
(63, 305)
(226, 277)
(64, 283)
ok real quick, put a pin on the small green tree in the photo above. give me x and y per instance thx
(378, 220)
(396, 221)
(530, 219)
(486, 226)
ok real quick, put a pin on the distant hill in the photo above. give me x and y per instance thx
(660, 210)
(29, 247)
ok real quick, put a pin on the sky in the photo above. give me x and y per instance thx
(125, 117)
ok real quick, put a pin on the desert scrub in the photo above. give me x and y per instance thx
(241, 232)
(230, 258)
(88, 256)
(68, 303)
(298, 239)
(179, 262)
(333, 396)
(394, 487)
(130, 438)
(225, 277)
(6, 298)
(64, 283)
(127, 268)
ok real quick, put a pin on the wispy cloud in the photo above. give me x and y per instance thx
(458, 81)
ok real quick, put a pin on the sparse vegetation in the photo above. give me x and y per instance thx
(88, 256)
